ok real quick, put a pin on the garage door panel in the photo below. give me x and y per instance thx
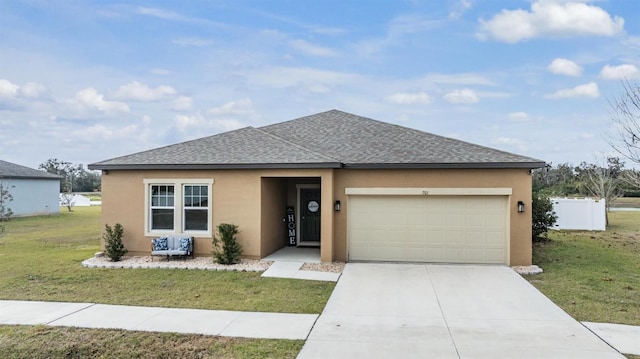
(464, 229)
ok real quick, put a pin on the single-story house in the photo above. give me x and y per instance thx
(358, 188)
(34, 192)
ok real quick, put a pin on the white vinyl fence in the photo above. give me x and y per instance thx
(580, 214)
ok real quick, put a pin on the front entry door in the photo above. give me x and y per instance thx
(310, 216)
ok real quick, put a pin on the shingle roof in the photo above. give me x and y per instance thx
(331, 139)
(12, 170)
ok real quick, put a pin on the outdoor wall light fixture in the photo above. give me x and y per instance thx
(336, 206)
(520, 206)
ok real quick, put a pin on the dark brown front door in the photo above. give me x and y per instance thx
(310, 216)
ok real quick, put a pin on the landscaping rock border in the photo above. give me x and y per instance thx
(203, 263)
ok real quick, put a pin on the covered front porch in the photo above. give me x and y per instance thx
(297, 216)
(295, 254)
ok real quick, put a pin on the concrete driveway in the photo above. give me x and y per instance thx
(445, 311)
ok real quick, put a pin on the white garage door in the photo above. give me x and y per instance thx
(447, 229)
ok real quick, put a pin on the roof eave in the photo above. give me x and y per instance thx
(462, 165)
(216, 166)
(32, 177)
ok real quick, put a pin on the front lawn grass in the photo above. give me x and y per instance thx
(594, 276)
(40, 259)
(60, 342)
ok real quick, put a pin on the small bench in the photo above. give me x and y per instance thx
(172, 246)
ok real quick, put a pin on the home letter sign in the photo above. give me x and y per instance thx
(291, 226)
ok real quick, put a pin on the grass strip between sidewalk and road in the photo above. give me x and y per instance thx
(61, 342)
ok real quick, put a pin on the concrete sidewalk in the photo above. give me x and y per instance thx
(625, 338)
(292, 270)
(189, 321)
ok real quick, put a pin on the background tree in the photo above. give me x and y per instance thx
(5, 211)
(602, 181)
(60, 168)
(625, 138)
(76, 178)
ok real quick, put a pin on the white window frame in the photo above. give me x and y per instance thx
(178, 209)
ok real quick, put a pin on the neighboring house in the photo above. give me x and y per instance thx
(358, 188)
(34, 192)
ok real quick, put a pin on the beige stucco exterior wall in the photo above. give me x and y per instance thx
(517, 179)
(255, 200)
(240, 197)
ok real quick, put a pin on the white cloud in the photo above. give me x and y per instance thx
(8, 89)
(404, 98)
(550, 18)
(561, 66)
(589, 90)
(90, 98)
(106, 133)
(318, 88)
(160, 71)
(192, 41)
(459, 9)
(174, 16)
(282, 77)
(30, 90)
(183, 122)
(518, 116)
(620, 72)
(463, 96)
(136, 91)
(240, 107)
(34, 90)
(228, 124)
(182, 103)
(520, 145)
(313, 50)
(460, 79)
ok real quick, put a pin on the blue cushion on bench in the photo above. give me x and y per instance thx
(185, 244)
(160, 244)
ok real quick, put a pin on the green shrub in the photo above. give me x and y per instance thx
(226, 249)
(543, 217)
(114, 247)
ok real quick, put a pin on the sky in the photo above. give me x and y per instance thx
(85, 81)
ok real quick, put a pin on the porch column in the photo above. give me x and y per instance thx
(327, 214)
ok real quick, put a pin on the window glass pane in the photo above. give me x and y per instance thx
(170, 201)
(204, 190)
(187, 190)
(188, 201)
(195, 219)
(170, 190)
(162, 219)
(154, 201)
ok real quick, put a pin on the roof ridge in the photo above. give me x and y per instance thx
(296, 145)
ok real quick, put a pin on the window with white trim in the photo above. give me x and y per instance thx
(162, 207)
(178, 206)
(196, 207)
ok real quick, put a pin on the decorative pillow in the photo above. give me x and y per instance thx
(160, 244)
(184, 244)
